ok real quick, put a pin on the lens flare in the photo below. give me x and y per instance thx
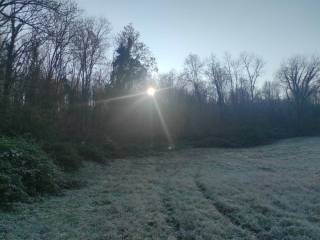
(164, 125)
(151, 91)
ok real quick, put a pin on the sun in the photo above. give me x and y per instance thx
(151, 91)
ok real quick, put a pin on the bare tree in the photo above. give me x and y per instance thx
(237, 82)
(27, 12)
(234, 71)
(168, 80)
(193, 75)
(18, 19)
(218, 77)
(253, 67)
(58, 40)
(300, 75)
(271, 90)
(88, 51)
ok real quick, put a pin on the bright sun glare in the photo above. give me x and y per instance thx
(151, 91)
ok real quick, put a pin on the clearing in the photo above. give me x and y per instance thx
(268, 192)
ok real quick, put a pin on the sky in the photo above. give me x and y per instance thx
(272, 29)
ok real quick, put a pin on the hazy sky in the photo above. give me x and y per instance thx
(274, 29)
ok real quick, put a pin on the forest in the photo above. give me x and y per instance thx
(72, 90)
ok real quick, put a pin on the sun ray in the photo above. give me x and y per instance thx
(121, 97)
(149, 92)
(163, 124)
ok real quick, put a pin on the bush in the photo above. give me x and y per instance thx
(91, 153)
(110, 149)
(240, 137)
(64, 155)
(25, 171)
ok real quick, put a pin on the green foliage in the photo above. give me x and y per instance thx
(25, 171)
(110, 149)
(28, 121)
(64, 155)
(133, 60)
(247, 137)
(241, 137)
(92, 153)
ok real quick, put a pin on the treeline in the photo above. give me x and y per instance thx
(225, 103)
(61, 80)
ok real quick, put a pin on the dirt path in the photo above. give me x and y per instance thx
(269, 192)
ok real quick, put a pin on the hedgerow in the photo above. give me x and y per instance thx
(26, 171)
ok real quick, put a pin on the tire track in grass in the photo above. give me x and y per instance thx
(171, 219)
(225, 211)
(166, 196)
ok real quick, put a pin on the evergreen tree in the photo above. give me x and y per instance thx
(132, 62)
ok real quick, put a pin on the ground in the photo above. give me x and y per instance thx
(268, 192)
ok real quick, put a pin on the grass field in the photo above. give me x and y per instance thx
(268, 192)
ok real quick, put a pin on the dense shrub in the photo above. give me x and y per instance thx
(64, 155)
(111, 149)
(91, 153)
(25, 171)
(241, 137)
